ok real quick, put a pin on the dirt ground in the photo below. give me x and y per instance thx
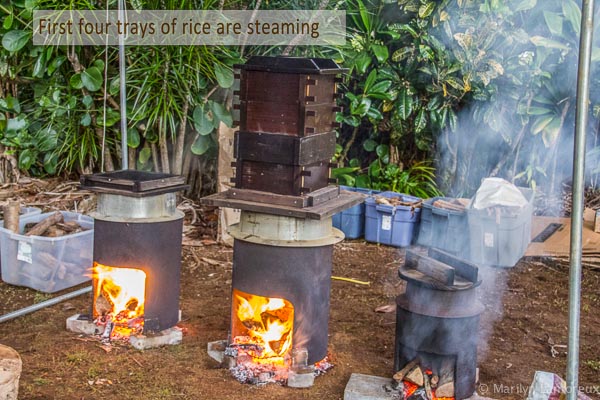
(523, 329)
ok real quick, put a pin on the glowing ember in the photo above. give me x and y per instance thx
(119, 299)
(265, 327)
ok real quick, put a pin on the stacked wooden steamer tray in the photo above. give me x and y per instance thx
(287, 131)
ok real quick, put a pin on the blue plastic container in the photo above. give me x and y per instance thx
(444, 229)
(352, 220)
(391, 225)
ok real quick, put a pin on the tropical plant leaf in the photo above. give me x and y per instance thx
(405, 104)
(203, 120)
(15, 40)
(541, 41)
(541, 123)
(426, 9)
(224, 75)
(85, 120)
(92, 79)
(26, 159)
(573, 14)
(369, 145)
(554, 22)
(133, 138)
(362, 62)
(381, 52)
(221, 114)
(551, 132)
(145, 155)
(524, 5)
(201, 144)
(420, 121)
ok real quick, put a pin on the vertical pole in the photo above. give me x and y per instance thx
(581, 123)
(123, 93)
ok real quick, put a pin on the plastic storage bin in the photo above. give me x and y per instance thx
(444, 229)
(500, 239)
(25, 211)
(47, 264)
(392, 225)
(352, 220)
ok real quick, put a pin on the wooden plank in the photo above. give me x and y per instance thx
(462, 267)
(430, 267)
(322, 195)
(324, 210)
(270, 117)
(271, 86)
(268, 198)
(284, 149)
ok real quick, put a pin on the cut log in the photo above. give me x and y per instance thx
(446, 205)
(427, 386)
(399, 376)
(40, 228)
(461, 267)
(11, 216)
(415, 376)
(10, 372)
(70, 226)
(445, 390)
(54, 231)
(430, 267)
(434, 380)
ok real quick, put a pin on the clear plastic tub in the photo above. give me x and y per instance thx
(47, 264)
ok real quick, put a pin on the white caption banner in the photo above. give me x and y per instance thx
(189, 27)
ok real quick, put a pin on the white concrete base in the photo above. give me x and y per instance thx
(80, 324)
(171, 336)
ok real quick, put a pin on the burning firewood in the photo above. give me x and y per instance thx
(445, 390)
(427, 386)
(415, 376)
(399, 376)
(446, 384)
(43, 225)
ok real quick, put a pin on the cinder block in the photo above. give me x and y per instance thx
(171, 336)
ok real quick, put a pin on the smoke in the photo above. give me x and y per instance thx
(518, 120)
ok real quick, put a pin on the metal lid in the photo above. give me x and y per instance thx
(292, 65)
(133, 183)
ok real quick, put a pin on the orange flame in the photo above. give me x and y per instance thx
(119, 294)
(265, 322)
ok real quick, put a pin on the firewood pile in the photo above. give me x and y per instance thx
(413, 382)
(459, 205)
(397, 201)
(44, 266)
(53, 226)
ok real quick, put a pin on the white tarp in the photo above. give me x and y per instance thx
(498, 192)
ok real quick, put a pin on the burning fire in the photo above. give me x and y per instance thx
(268, 325)
(119, 298)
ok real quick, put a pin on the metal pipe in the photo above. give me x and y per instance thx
(581, 123)
(123, 93)
(44, 304)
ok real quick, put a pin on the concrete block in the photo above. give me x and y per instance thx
(171, 336)
(301, 379)
(367, 387)
(82, 324)
(216, 350)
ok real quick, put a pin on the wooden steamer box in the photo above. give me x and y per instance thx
(287, 121)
